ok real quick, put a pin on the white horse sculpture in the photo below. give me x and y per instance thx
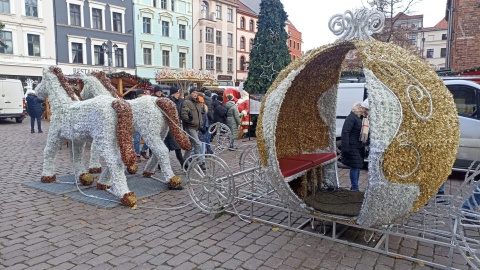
(106, 120)
(151, 115)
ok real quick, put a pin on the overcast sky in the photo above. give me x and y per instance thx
(311, 16)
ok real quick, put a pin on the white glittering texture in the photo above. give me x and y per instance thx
(148, 121)
(80, 122)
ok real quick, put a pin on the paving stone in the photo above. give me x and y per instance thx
(179, 259)
(232, 264)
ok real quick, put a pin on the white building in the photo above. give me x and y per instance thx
(214, 38)
(30, 36)
(434, 44)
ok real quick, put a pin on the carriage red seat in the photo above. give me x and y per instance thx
(292, 165)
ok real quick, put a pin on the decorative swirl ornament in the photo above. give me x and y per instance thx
(360, 25)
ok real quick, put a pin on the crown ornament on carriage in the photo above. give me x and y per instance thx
(359, 24)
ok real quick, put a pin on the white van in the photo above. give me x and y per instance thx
(12, 102)
(466, 95)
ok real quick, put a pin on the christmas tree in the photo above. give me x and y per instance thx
(270, 52)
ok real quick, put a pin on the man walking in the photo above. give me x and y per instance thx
(192, 121)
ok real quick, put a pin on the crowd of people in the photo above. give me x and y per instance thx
(197, 112)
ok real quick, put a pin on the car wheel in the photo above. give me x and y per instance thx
(19, 119)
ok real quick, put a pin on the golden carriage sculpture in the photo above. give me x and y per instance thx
(292, 168)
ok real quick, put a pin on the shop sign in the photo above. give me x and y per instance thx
(224, 77)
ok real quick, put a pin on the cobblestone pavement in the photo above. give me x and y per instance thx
(43, 231)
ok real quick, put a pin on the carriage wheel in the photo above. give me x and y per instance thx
(222, 139)
(212, 189)
(251, 159)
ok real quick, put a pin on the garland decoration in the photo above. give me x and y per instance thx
(143, 83)
(125, 131)
(472, 71)
(64, 82)
(106, 82)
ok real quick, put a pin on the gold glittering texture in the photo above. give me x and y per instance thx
(125, 131)
(174, 182)
(95, 170)
(129, 199)
(132, 169)
(102, 77)
(322, 71)
(435, 138)
(299, 186)
(48, 179)
(86, 179)
(64, 82)
(173, 122)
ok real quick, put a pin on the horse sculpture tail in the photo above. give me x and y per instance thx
(125, 131)
(173, 122)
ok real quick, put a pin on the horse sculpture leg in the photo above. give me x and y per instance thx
(94, 165)
(49, 155)
(105, 180)
(86, 179)
(160, 155)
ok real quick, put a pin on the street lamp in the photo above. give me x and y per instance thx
(108, 67)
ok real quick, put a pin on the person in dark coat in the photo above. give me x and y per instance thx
(34, 107)
(215, 103)
(208, 102)
(192, 120)
(220, 112)
(352, 155)
(157, 91)
(233, 120)
(170, 142)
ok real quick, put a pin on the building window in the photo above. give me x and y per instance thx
(97, 18)
(443, 52)
(230, 15)
(209, 34)
(75, 15)
(147, 24)
(182, 60)
(230, 40)
(242, 43)
(230, 65)
(250, 47)
(205, 8)
(6, 38)
(290, 43)
(412, 39)
(209, 64)
(201, 62)
(242, 63)
(219, 12)
(117, 22)
(173, 5)
(219, 37)
(4, 6)
(77, 53)
(154, 3)
(201, 35)
(166, 58)
(218, 64)
(163, 4)
(31, 8)
(98, 55)
(165, 29)
(444, 36)
(429, 53)
(251, 25)
(242, 23)
(182, 31)
(147, 56)
(33, 45)
(119, 57)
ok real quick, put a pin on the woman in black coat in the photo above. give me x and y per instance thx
(34, 107)
(169, 141)
(351, 145)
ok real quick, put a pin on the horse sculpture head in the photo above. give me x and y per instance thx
(55, 83)
(41, 90)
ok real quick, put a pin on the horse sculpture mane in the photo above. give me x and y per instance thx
(64, 82)
(102, 77)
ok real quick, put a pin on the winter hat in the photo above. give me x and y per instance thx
(30, 91)
(173, 90)
(156, 89)
(208, 93)
(220, 98)
(365, 104)
(193, 89)
(230, 97)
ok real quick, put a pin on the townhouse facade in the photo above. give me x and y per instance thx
(29, 35)
(463, 34)
(246, 30)
(433, 42)
(214, 38)
(163, 35)
(294, 41)
(94, 35)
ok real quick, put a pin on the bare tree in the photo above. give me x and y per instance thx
(400, 28)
